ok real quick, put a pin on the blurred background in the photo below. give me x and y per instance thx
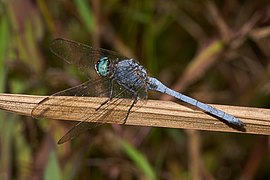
(215, 51)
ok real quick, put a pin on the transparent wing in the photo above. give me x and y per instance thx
(91, 117)
(115, 110)
(51, 104)
(81, 55)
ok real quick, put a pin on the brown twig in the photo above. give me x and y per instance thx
(154, 113)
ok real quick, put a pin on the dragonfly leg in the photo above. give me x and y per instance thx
(102, 104)
(111, 95)
(111, 89)
(133, 103)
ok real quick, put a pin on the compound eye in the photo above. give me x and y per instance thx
(102, 66)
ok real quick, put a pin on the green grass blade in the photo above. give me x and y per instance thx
(53, 170)
(139, 159)
(86, 14)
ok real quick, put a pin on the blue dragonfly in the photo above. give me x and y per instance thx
(120, 80)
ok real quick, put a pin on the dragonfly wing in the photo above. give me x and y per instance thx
(109, 112)
(51, 104)
(115, 110)
(81, 55)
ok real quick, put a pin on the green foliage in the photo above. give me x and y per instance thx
(3, 49)
(86, 14)
(52, 171)
(139, 159)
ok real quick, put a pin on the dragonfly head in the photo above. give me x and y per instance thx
(102, 66)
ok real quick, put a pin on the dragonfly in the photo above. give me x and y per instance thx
(120, 80)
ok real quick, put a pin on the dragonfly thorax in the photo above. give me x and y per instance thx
(131, 75)
(102, 66)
